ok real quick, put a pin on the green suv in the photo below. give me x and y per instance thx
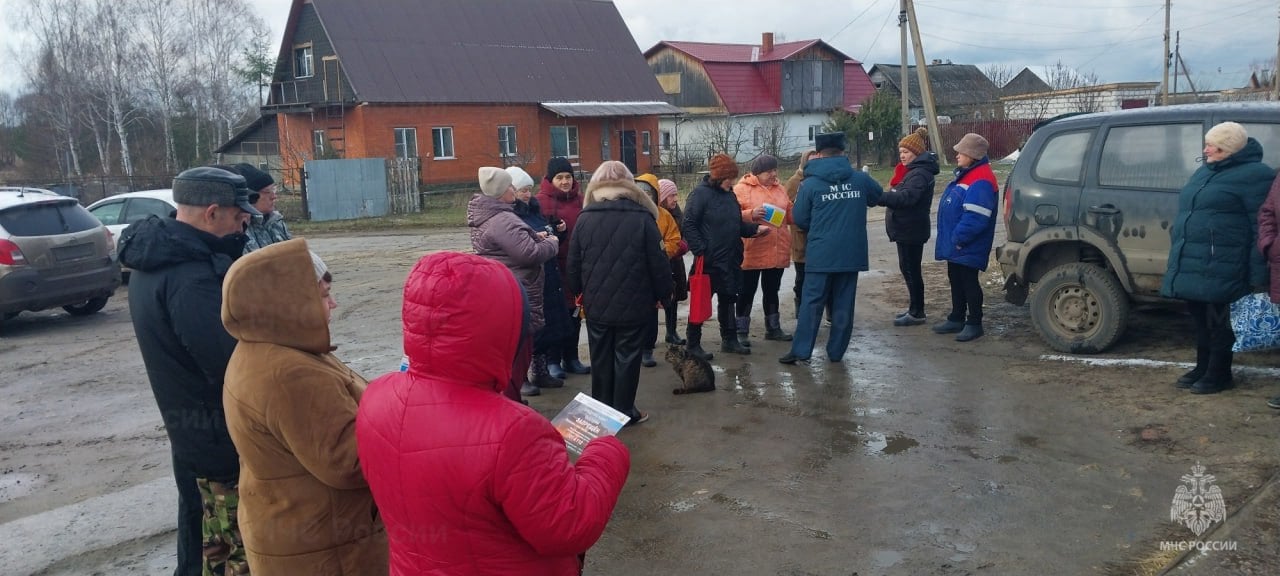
(1088, 210)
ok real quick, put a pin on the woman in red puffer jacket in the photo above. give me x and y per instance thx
(468, 482)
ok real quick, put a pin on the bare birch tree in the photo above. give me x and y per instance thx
(55, 72)
(162, 53)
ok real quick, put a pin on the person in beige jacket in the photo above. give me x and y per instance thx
(305, 507)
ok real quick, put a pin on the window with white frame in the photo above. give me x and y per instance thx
(406, 142)
(759, 137)
(646, 142)
(814, 131)
(664, 139)
(442, 142)
(302, 62)
(507, 140)
(317, 142)
(564, 141)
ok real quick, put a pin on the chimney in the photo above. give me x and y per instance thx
(766, 43)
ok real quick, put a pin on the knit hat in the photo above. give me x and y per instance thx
(319, 266)
(915, 141)
(1227, 136)
(557, 165)
(666, 189)
(519, 178)
(972, 145)
(722, 167)
(255, 178)
(494, 182)
(829, 140)
(763, 163)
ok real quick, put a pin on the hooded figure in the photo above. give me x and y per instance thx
(305, 507)
(467, 481)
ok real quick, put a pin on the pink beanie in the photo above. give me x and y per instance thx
(666, 189)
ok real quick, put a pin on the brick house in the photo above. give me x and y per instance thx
(461, 84)
(747, 99)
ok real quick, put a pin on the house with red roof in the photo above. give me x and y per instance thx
(749, 99)
(453, 85)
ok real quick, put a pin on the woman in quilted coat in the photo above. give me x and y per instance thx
(468, 482)
(764, 259)
(1213, 253)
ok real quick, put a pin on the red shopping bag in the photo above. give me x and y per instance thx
(699, 294)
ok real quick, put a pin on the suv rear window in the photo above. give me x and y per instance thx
(47, 219)
(1062, 157)
(1159, 156)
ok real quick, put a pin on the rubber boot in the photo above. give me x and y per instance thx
(571, 363)
(1218, 376)
(743, 324)
(646, 358)
(729, 342)
(542, 377)
(773, 329)
(555, 370)
(694, 344)
(1202, 366)
(673, 337)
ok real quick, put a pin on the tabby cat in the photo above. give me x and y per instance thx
(696, 373)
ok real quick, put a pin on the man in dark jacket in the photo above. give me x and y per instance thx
(713, 228)
(616, 262)
(175, 299)
(832, 207)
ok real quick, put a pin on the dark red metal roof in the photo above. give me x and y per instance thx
(857, 85)
(487, 51)
(742, 88)
(710, 52)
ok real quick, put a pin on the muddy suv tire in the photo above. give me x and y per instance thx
(87, 308)
(1079, 308)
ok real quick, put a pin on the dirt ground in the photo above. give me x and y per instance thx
(915, 455)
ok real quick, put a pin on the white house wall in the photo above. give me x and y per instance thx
(688, 137)
(1048, 107)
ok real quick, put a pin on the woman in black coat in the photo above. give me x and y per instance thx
(714, 229)
(554, 311)
(909, 199)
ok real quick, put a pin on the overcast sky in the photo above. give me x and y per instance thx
(1119, 40)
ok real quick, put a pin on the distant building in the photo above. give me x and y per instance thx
(459, 84)
(1100, 98)
(960, 91)
(1026, 82)
(747, 99)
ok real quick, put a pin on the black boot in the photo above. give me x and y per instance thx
(646, 359)
(729, 342)
(542, 377)
(1202, 366)
(694, 343)
(1218, 376)
(673, 337)
(773, 328)
(571, 363)
(743, 324)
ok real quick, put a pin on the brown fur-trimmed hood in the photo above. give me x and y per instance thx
(606, 190)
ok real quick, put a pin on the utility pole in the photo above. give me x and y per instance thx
(906, 99)
(1275, 70)
(1164, 87)
(1177, 56)
(926, 91)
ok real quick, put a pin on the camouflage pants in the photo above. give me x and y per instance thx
(223, 548)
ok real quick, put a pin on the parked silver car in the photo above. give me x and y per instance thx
(53, 253)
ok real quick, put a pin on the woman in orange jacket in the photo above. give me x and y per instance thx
(767, 257)
(674, 247)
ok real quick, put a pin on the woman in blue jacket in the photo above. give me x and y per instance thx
(966, 229)
(1213, 254)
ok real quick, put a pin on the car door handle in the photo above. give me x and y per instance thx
(1104, 210)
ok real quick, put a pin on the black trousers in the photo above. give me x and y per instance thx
(966, 294)
(799, 288)
(909, 256)
(1212, 323)
(651, 327)
(615, 364)
(725, 310)
(567, 348)
(191, 510)
(769, 280)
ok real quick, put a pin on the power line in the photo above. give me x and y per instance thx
(1118, 42)
(855, 19)
(892, 14)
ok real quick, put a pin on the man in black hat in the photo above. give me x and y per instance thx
(269, 228)
(175, 299)
(831, 206)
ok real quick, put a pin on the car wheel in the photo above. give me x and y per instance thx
(1079, 308)
(93, 305)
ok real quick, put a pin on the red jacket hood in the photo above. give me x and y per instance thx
(462, 318)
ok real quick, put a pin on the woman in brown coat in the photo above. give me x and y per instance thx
(305, 507)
